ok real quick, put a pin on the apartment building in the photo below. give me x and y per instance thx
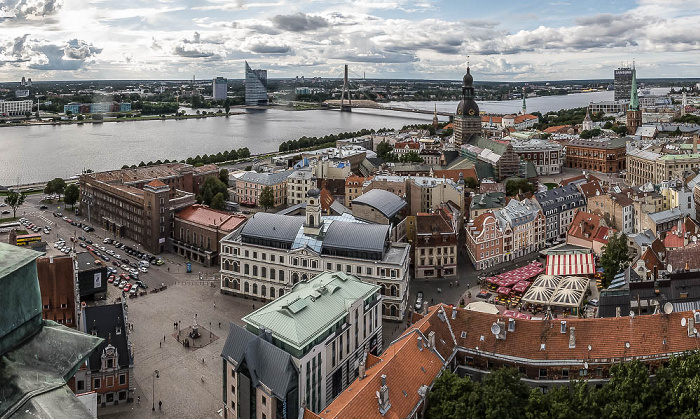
(250, 185)
(616, 209)
(606, 155)
(485, 240)
(436, 244)
(298, 184)
(559, 206)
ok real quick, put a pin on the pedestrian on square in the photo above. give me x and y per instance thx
(163, 338)
(138, 400)
(160, 405)
(214, 304)
(160, 344)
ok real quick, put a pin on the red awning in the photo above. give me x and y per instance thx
(503, 291)
(571, 264)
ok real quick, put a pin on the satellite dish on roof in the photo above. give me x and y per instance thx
(585, 365)
(669, 268)
(683, 322)
(668, 308)
(496, 329)
(631, 313)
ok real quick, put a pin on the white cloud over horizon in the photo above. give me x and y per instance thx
(167, 39)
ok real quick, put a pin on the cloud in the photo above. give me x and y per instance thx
(80, 50)
(299, 22)
(28, 9)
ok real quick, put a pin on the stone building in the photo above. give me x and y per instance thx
(559, 206)
(139, 203)
(271, 253)
(250, 185)
(467, 122)
(435, 244)
(59, 298)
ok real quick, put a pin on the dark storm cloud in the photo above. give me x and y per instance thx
(192, 52)
(299, 22)
(261, 48)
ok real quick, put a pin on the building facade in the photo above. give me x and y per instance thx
(15, 107)
(559, 206)
(110, 368)
(328, 324)
(353, 188)
(623, 83)
(197, 231)
(422, 193)
(528, 226)
(140, 203)
(219, 87)
(606, 155)
(485, 240)
(645, 166)
(616, 209)
(547, 156)
(251, 184)
(272, 252)
(299, 183)
(436, 244)
(255, 87)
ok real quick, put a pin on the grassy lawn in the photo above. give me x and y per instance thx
(550, 185)
(7, 219)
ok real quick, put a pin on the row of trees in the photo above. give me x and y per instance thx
(213, 192)
(155, 108)
(516, 186)
(386, 152)
(629, 394)
(220, 157)
(567, 117)
(325, 141)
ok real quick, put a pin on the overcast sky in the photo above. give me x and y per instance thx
(516, 40)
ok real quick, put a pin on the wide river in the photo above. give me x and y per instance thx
(38, 153)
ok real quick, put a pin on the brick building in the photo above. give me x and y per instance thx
(57, 285)
(436, 244)
(140, 203)
(485, 239)
(197, 231)
(605, 155)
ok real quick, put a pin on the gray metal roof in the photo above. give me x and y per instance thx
(340, 209)
(665, 216)
(266, 363)
(106, 319)
(383, 201)
(488, 200)
(267, 179)
(555, 198)
(273, 226)
(354, 236)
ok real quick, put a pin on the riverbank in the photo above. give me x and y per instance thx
(25, 123)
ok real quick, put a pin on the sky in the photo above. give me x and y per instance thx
(514, 40)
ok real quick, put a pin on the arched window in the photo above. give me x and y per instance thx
(255, 270)
(246, 287)
(393, 292)
(246, 269)
(236, 266)
(263, 291)
(236, 285)
(263, 272)
(383, 310)
(272, 292)
(255, 289)
(281, 292)
(227, 265)
(226, 282)
(304, 277)
(393, 311)
(295, 278)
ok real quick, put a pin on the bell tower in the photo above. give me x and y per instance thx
(312, 223)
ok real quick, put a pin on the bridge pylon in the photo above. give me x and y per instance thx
(345, 107)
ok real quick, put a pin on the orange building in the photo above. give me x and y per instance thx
(58, 297)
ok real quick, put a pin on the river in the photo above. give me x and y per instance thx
(42, 152)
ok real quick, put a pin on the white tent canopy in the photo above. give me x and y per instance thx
(557, 291)
(482, 307)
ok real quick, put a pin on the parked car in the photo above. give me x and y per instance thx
(43, 207)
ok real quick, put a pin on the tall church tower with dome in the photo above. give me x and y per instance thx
(467, 119)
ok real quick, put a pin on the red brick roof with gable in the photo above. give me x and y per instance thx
(586, 225)
(651, 260)
(205, 216)
(156, 183)
(689, 254)
(406, 367)
(591, 189)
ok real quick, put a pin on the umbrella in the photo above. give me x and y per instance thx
(510, 313)
(524, 283)
(503, 290)
(522, 316)
(482, 307)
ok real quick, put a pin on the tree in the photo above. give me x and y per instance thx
(411, 157)
(628, 394)
(14, 200)
(58, 186)
(209, 189)
(384, 149)
(450, 395)
(223, 176)
(471, 182)
(48, 190)
(615, 257)
(267, 198)
(218, 202)
(80, 117)
(676, 385)
(516, 186)
(72, 192)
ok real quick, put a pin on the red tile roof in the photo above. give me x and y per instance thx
(558, 128)
(689, 254)
(406, 367)
(203, 215)
(675, 238)
(156, 183)
(586, 226)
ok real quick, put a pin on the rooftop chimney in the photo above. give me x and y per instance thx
(362, 370)
(431, 339)
(383, 397)
(420, 343)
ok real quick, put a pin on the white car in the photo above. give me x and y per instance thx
(117, 256)
(144, 269)
(110, 252)
(103, 248)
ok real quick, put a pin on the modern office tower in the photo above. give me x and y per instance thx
(255, 86)
(218, 88)
(623, 83)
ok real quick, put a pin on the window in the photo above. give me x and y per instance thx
(81, 385)
(233, 405)
(264, 402)
(96, 383)
(543, 372)
(329, 266)
(565, 373)
(255, 270)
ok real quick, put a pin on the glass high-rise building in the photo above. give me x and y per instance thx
(623, 83)
(219, 88)
(255, 86)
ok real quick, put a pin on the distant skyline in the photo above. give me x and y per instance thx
(506, 40)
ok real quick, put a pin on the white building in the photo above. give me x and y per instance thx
(547, 156)
(219, 88)
(298, 184)
(270, 254)
(15, 107)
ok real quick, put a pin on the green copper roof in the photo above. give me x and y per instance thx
(634, 100)
(14, 257)
(311, 308)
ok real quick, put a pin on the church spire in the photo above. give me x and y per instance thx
(524, 110)
(634, 99)
(435, 118)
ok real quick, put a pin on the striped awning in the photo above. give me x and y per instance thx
(571, 264)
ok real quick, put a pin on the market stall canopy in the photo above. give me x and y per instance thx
(577, 263)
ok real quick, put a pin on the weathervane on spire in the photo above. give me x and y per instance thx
(467, 61)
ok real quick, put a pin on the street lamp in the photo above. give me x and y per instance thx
(153, 396)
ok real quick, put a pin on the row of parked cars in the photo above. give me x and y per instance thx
(153, 260)
(35, 228)
(84, 227)
(123, 282)
(60, 244)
